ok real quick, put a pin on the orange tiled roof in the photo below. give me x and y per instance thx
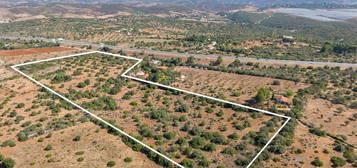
(162, 67)
(283, 99)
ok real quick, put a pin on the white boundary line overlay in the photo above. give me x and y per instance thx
(14, 67)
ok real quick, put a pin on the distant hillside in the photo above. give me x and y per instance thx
(35, 7)
(208, 4)
(261, 2)
(235, 4)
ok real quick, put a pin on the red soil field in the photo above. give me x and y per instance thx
(31, 51)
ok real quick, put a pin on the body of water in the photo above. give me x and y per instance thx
(321, 14)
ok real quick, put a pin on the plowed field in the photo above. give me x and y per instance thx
(31, 51)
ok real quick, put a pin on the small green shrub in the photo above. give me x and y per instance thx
(111, 164)
(128, 159)
(337, 161)
(80, 159)
(77, 138)
(317, 162)
(48, 147)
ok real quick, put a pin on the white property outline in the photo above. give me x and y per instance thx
(14, 67)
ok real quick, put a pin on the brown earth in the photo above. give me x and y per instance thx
(322, 113)
(98, 146)
(127, 112)
(216, 83)
(64, 147)
(32, 51)
(312, 147)
(17, 59)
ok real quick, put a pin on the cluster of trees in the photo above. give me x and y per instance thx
(23, 135)
(218, 61)
(348, 153)
(353, 105)
(164, 76)
(192, 147)
(255, 26)
(317, 162)
(261, 27)
(6, 44)
(83, 84)
(33, 68)
(102, 103)
(339, 48)
(111, 86)
(319, 77)
(283, 72)
(37, 129)
(74, 94)
(227, 46)
(60, 77)
(8, 143)
(184, 108)
(317, 132)
(151, 155)
(199, 39)
(263, 95)
(337, 161)
(207, 141)
(6, 162)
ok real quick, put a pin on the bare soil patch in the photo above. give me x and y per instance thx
(153, 114)
(32, 51)
(217, 84)
(17, 59)
(312, 146)
(98, 147)
(323, 114)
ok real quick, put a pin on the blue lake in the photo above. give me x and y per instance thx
(321, 14)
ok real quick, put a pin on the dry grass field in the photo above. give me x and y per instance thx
(95, 146)
(23, 111)
(165, 120)
(173, 124)
(242, 53)
(31, 51)
(220, 84)
(337, 120)
(305, 148)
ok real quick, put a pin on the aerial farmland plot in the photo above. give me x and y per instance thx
(178, 84)
(173, 127)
